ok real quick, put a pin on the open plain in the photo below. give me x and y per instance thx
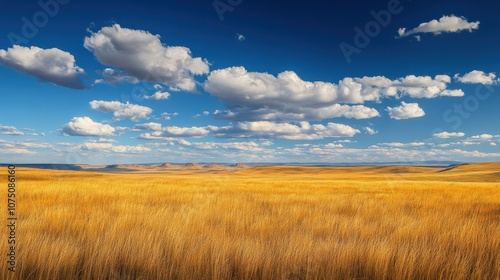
(216, 222)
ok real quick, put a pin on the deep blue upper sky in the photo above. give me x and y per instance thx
(254, 81)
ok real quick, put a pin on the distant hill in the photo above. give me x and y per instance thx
(215, 166)
(49, 166)
(241, 165)
(119, 166)
(193, 166)
(473, 167)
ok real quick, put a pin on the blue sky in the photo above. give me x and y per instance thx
(248, 81)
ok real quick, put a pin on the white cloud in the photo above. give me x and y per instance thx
(158, 96)
(446, 135)
(266, 129)
(370, 130)
(446, 24)
(169, 132)
(345, 141)
(143, 56)
(33, 145)
(10, 130)
(217, 146)
(240, 37)
(112, 76)
(175, 131)
(204, 113)
(121, 110)
(131, 149)
(109, 147)
(483, 136)
(66, 144)
(453, 93)
(259, 129)
(105, 140)
(400, 145)
(493, 143)
(17, 151)
(297, 113)
(168, 116)
(467, 143)
(333, 146)
(148, 126)
(93, 146)
(254, 96)
(378, 153)
(405, 111)
(459, 143)
(22, 147)
(85, 126)
(423, 86)
(47, 65)
(477, 77)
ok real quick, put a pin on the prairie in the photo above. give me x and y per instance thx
(392, 222)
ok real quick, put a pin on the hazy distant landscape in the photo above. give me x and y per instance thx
(210, 166)
(273, 222)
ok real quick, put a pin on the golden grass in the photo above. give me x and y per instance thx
(259, 223)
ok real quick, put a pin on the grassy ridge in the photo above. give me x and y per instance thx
(260, 223)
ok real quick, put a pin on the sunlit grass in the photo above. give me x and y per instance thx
(262, 223)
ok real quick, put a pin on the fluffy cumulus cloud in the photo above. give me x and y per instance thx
(47, 65)
(259, 129)
(405, 111)
(10, 130)
(85, 126)
(121, 110)
(175, 131)
(302, 131)
(170, 132)
(426, 86)
(446, 135)
(477, 77)
(253, 96)
(446, 24)
(144, 57)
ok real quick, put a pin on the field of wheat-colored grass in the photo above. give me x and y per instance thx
(259, 223)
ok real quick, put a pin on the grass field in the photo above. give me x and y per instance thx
(259, 223)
